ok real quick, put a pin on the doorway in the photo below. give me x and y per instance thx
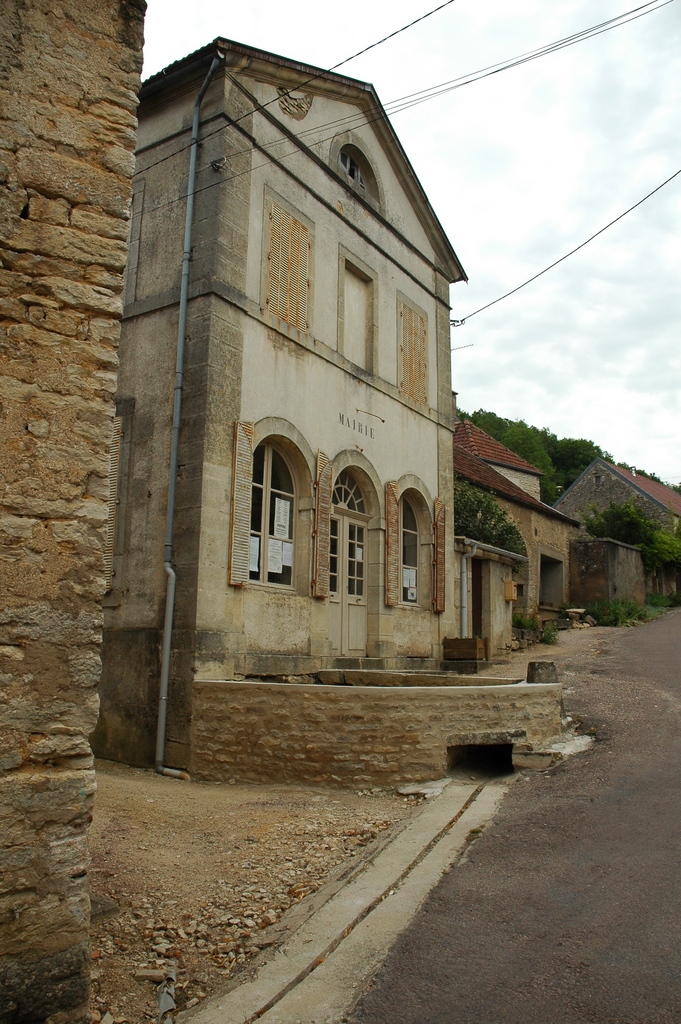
(347, 570)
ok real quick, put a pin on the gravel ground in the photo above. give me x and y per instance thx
(199, 873)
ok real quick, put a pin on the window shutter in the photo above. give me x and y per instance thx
(392, 545)
(413, 347)
(114, 463)
(289, 260)
(439, 557)
(242, 482)
(323, 485)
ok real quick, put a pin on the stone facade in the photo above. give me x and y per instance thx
(69, 77)
(297, 355)
(601, 483)
(603, 570)
(360, 735)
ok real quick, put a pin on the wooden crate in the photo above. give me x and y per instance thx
(465, 649)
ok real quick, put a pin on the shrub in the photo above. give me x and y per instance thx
(478, 515)
(549, 634)
(630, 525)
(658, 600)
(619, 612)
(521, 621)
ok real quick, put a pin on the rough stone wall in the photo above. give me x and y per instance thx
(355, 735)
(69, 76)
(602, 570)
(603, 485)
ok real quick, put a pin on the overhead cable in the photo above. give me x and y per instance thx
(460, 323)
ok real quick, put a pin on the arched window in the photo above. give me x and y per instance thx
(410, 553)
(272, 505)
(346, 492)
(357, 168)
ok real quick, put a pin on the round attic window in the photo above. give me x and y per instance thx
(357, 169)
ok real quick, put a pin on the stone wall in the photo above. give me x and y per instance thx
(69, 77)
(357, 735)
(601, 485)
(602, 570)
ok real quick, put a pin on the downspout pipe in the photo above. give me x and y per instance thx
(171, 577)
(465, 556)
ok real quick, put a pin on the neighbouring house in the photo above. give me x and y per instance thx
(313, 516)
(516, 469)
(542, 583)
(602, 483)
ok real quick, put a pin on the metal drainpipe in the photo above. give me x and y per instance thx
(464, 588)
(174, 445)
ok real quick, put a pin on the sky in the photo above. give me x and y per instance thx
(520, 168)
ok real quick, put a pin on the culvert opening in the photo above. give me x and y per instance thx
(483, 760)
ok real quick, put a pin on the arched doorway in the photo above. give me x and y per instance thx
(347, 569)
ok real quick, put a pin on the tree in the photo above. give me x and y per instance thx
(478, 515)
(630, 525)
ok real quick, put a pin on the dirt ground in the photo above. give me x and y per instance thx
(200, 874)
(196, 873)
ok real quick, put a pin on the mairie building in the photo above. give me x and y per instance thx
(312, 520)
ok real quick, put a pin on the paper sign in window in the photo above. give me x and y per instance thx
(360, 553)
(282, 512)
(274, 556)
(409, 577)
(286, 553)
(254, 555)
(411, 594)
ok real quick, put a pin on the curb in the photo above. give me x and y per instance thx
(314, 976)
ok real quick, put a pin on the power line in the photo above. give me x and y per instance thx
(460, 323)
(320, 74)
(357, 120)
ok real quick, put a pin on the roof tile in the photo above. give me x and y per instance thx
(467, 435)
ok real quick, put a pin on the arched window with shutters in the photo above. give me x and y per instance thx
(272, 538)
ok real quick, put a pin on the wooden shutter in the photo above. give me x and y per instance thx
(289, 260)
(114, 463)
(393, 558)
(413, 353)
(322, 526)
(439, 557)
(242, 483)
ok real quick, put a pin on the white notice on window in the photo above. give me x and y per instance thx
(254, 555)
(286, 553)
(411, 594)
(274, 556)
(282, 512)
(405, 577)
(409, 577)
(359, 553)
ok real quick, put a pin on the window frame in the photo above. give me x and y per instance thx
(265, 514)
(414, 602)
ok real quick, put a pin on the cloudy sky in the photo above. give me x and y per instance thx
(521, 167)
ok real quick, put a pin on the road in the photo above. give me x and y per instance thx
(568, 907)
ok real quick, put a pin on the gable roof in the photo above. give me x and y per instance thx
(292, 75)
(662, 495)
(478, 472)
(467, 435)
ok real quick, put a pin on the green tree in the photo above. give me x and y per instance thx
(478, 515)
(629, 524)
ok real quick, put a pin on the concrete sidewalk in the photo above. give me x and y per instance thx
(315, 976)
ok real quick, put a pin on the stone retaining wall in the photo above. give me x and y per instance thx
(69, 76)
(357, 735)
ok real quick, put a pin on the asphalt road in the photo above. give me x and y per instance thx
(568, 907)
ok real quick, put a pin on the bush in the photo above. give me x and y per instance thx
(521, 621)
(620, 612)
(478, 515)
(630, 525)
(658, 600)
(549, 634)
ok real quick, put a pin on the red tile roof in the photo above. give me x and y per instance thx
(668, 497)
(475, 440)
(478, 472)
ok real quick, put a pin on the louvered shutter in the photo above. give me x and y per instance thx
(392, 545)
(322, 528)
(439, 557)
(413, 350)
(242, 483)
(289, 263)
(114, 463)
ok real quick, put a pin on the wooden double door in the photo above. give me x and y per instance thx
(348, 585)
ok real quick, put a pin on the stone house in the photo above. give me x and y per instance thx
(601, 483)
(542, 585)
(516, 469)
(313, 513)
(69, 76)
